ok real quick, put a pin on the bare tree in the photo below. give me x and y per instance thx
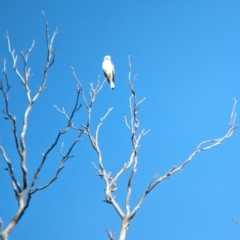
(125, 213)
(24, 191)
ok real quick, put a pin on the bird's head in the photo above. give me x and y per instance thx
(107, 57)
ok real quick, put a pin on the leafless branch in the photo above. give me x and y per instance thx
(129, 190)
(65, 157)
(135, 139)
(49, 59)
(61, 166)
(133, 125)
(110, 234)
(111, 183)
(76, 108)
(23, 194)
(235, 220)
(99, 125)
(15, 184)
(126, 122)
(203, 146)
(6, 110)
(24, 79)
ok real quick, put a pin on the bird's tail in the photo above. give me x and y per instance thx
(112, 86)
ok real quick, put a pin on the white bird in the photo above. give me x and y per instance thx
(108, 70)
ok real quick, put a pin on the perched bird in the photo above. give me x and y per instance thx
(108, 70)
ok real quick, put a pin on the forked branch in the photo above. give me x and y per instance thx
(203, 146)
(132, 125)
(136, 136)
(24, 192)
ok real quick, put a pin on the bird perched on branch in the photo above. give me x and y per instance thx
(108, 70)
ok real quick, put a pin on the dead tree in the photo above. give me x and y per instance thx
(132, 122)
(25, 188)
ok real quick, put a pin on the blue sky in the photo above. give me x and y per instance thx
(187, 55)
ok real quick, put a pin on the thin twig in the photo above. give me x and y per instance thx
(235, 220)
(15, 184)
(61, 166)
(110, 234)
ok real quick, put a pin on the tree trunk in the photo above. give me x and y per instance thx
(124, 228)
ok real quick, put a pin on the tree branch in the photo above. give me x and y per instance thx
(15, 184)
(235, 220)
(110, 235)
(133, 125)
(61, 166)
(203, 146)
(6, 110)
(24, 194)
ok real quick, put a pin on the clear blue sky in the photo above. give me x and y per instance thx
(188, 57)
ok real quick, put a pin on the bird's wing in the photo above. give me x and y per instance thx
(113, 69)
(104, 68)
(105, 74)
(113, 72)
